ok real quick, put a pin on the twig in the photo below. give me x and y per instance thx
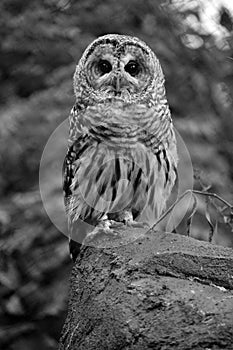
(203, 193)
(210, 194)
(169, 209)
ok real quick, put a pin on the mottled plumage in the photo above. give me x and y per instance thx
(122, 158)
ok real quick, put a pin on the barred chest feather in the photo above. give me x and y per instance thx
(127, 160)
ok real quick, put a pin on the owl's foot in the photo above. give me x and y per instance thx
(129, 221)
(103, 228)
(116, 224)
(137, 224)
(126, 219)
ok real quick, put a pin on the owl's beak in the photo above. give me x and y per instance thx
(117, 82)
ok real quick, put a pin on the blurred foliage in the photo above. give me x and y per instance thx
(40, 43)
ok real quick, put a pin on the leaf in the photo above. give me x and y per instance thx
(190, 217)
(215, 229)
(208, 218)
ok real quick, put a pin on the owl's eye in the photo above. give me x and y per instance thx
(104, 66)
(133, 68)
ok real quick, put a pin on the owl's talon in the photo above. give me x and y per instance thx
(104, 228)
(116, 224)
(136, 224)
(127, 219)
(128, 223)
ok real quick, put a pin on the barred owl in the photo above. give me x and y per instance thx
(121, 162)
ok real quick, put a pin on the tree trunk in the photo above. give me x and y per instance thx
(157, 291)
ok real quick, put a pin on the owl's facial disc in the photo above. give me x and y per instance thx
(118, 72)
(135, 70)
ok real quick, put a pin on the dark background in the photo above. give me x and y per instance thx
(40, 43)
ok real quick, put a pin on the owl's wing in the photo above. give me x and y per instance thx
(161, 153)
(70, 167)
(77, 125)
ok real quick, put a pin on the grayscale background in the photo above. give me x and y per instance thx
(41, 41)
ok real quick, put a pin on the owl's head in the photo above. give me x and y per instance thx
(118, 67)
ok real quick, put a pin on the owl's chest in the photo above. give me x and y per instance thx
(124, 170)
(122, 159)
(116, 136)
(112, 179)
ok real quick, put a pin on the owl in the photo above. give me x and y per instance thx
(122, 157)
